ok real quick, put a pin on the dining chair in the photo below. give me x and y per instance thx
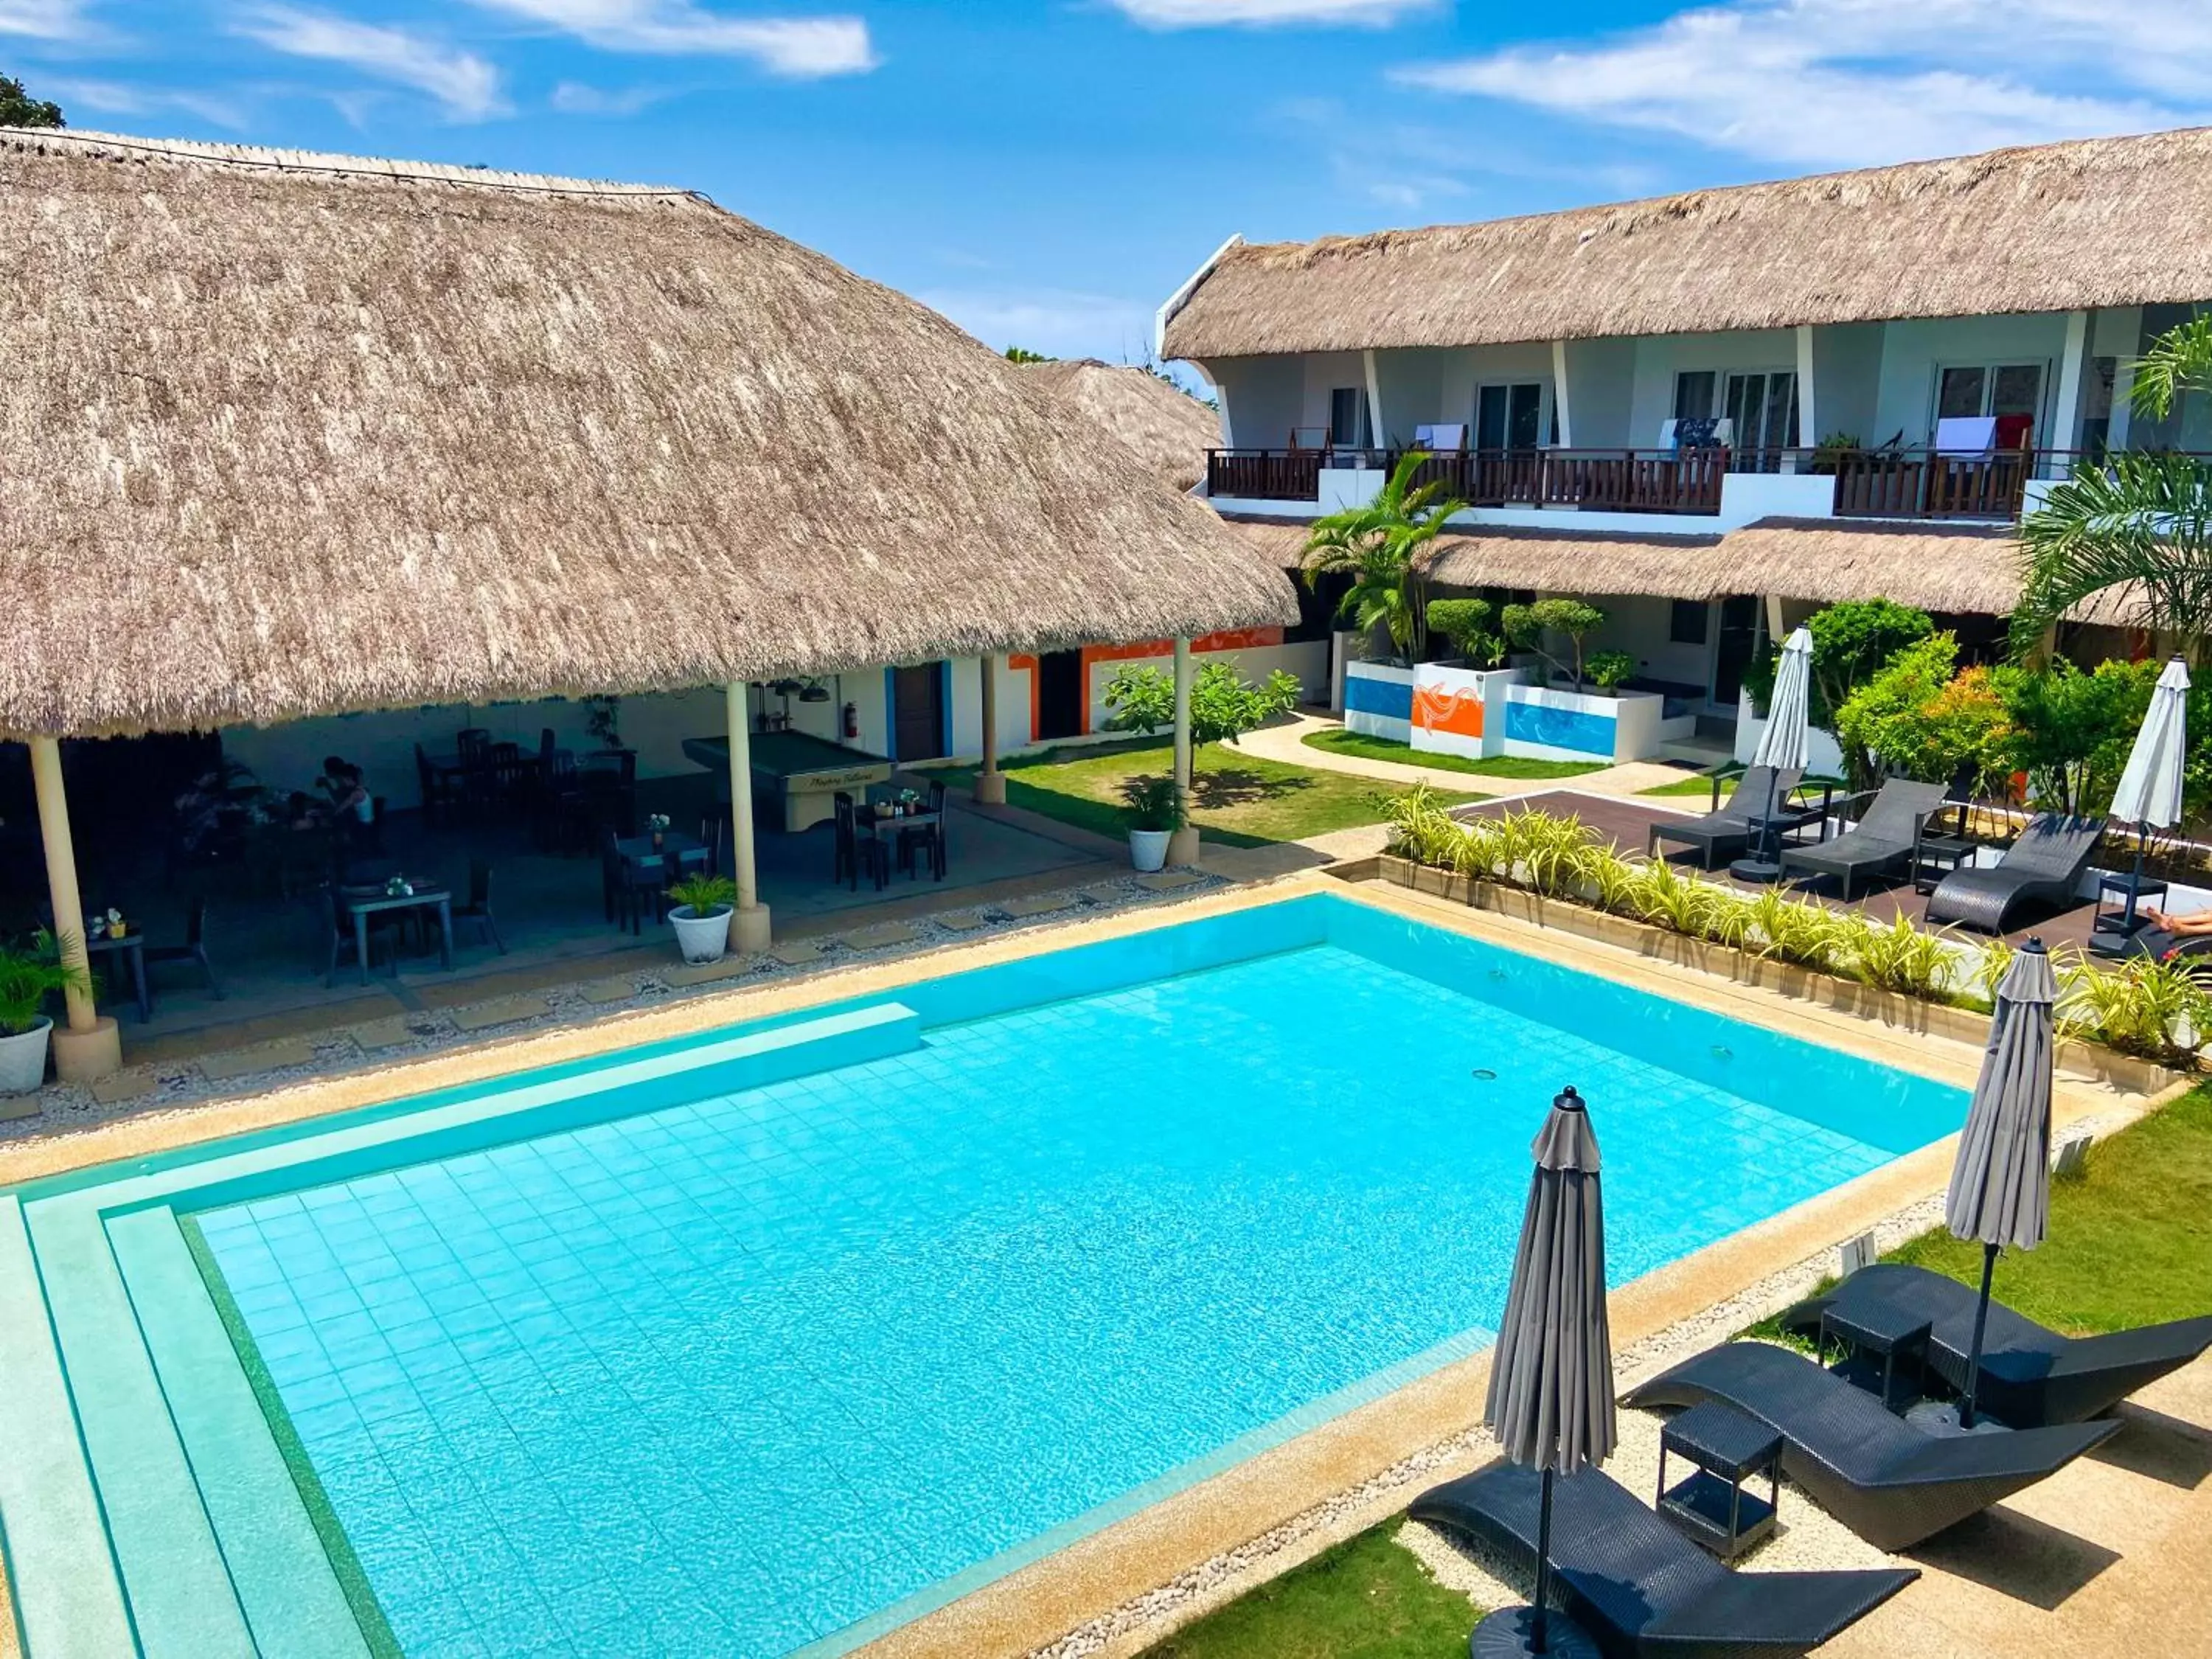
(343, 948)
(854, 848)
(928, 837)
(478, 907)
(193, 949)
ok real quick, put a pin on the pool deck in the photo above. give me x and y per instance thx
(1256, 1519)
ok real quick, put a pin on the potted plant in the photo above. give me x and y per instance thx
(1155, 811)
(29, 976)
(704, 905)
(1609, 670)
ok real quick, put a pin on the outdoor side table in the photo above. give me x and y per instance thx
(1939, 856)
(132, 948)
(1724, 1447)
(1877, 1333)
(2127, 920)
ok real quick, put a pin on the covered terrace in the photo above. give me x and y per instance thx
(300, 440)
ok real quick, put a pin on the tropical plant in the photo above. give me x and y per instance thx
(1918, 718)
(1829, 452)
(2075, 729)
(1153, 802)
(19, 109)
(1020, 355)
(1383, 548)
(1610, 669)
(1527, 626)
(600, 718)
(1901, 958)
(29, 974)
(1466, 625)
(703, 895)
(2140, 519)
(1852, 641)
(2154, 1009)
(1223, 704)
(1422, 830)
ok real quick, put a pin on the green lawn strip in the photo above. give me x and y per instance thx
(2130, 1243)
(1696, 784)
(1370, 1597)
(1337, 741)
(352, 1580)
(1243, 800)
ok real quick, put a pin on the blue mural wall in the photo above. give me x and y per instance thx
(1558, 728)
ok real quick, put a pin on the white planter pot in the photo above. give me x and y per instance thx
(1148, 849)
(702, 939)
(23, 1059)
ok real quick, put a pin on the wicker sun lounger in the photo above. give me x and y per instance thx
(1891, 1483)
(1640, 1588)
(2045, 863)
(2030, 1376)
(1888, 835)
(1725, 832)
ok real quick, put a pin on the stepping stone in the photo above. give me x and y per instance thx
(1104, 895)
(1020, 909)
(124, 1086)
(961, 921)
(882, 936)
(1168, 881)
(702, 973)
(798, 952)
(505, 1011)
(605, 991)
(384, 1033)
(234, 1063)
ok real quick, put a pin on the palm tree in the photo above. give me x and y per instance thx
(2143, 520)
(1382, 547)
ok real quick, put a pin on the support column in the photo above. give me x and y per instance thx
(1378, 434)
(1809, 420)
(90, 1046)
(1565, 416)
(1182, 846)
(2066, 407)
(990, 783)
(748, 929)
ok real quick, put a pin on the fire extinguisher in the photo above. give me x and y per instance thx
(852, 721)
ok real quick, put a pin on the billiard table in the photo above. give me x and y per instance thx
(798, 775)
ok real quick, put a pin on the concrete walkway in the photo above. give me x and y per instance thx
(1287, 743)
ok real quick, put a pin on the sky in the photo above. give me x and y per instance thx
(1046, 171)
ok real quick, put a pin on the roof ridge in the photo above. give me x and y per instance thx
(1365, 240)
(123, 145)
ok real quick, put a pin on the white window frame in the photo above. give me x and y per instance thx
(2045, 389)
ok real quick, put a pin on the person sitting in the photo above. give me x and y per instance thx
(350, 801)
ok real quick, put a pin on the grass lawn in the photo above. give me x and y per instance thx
(1338, 741)
(1368, 1598)
(1702, 787)
(1241, 800)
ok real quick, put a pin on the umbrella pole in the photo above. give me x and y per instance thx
(1981, 1321)
(1539, 1634)
(2135, 886)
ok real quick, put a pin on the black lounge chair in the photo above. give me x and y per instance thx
(2157, 944)
(1887, 835)
(2030, 1376)
(1890, 1483)
(1725, 832)
(2045, 863)
(1640, 1588)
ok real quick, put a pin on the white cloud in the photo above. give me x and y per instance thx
(801, 48)
(1058, 322)
(45, 20)
(1856, 83)
(138, 103)
(574, 98)
(465, 85)
(1267, 14)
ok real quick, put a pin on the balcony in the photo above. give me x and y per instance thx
(1591, 480)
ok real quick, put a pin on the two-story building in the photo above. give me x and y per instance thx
(1713, 411)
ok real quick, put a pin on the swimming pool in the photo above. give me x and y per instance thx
(766, 1342)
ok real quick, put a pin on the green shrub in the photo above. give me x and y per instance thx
(1527, 626)
(1223, 705)
(1466, 623)
(31, 973)
(1610, 669)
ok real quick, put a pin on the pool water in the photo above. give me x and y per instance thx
(780, 1367)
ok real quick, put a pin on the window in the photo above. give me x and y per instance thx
(1693, 394)
(1686, 623)
(1509, 416)
(1347, 417)
(2013, 392)
(1764, 407)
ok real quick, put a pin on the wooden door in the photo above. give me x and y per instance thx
(918, 712)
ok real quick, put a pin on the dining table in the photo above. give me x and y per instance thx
(889, 831)
(130, 949)
(364, 899)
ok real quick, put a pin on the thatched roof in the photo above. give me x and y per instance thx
(1171, 430)
(1973, 569)
(2099, 222)
(289, 435)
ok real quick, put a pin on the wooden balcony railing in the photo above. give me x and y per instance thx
(1919, 483)
(1595, 480)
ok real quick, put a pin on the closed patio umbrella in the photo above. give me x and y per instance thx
(2001, 1184)
(1787, 742)
(2150, 795)
(1551, 1376)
